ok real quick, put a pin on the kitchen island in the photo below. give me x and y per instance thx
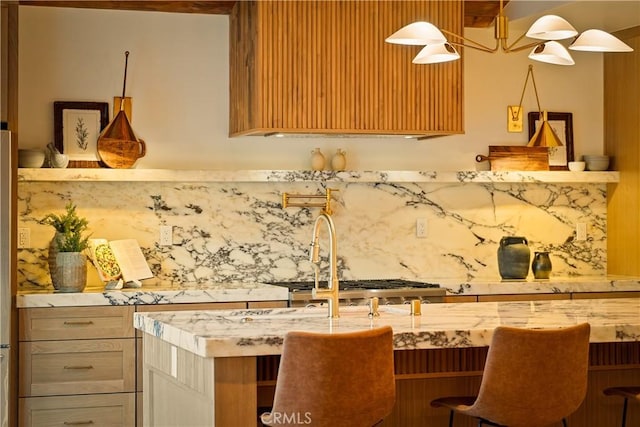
(205, 367)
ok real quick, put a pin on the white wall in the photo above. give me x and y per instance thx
(178, 79)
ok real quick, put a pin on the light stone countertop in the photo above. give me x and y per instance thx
(253, 291)
(196, 293)
(228, 333)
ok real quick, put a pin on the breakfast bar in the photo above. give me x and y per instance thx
(206, 367)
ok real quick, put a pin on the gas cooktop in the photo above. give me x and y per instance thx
(346, 285)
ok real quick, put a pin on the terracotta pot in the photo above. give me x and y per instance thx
(70, 273)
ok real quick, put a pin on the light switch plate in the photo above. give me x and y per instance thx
(514, 118)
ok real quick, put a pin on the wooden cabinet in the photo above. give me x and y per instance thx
(324, 68)
(77, 366)
(104, 410)
(622, 143)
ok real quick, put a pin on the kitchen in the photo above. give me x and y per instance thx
(176, 87)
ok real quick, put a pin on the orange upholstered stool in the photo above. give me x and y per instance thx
(532, 378)
(632, 392)
(342, 379)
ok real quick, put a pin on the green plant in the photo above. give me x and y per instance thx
(70, 228)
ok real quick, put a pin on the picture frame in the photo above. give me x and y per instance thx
(77, 126)
(562, 125)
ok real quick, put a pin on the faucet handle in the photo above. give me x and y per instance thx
(373, 307)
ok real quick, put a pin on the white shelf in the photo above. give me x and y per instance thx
(167, 175)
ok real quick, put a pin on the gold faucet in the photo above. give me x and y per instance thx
(331, 294)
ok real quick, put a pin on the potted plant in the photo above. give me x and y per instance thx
(67, 263)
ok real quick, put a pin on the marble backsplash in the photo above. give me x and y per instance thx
(238, 231)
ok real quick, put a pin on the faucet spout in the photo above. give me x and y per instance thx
(331, 293)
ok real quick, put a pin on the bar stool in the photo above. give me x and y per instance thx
(343, 379)
(631, 392)
(532, 378)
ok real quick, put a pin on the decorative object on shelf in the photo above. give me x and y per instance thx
(30, 158)
(596, 163)
(56, 158)
(562, 125)
(576, 166)
(317, 160)
(514, 257)
(547, 29)
(541, 265)
(516, 158)
(339, 160)
(67, 263)
(118, 145)
(76, 129)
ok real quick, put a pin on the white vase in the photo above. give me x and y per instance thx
(70, 273)
(317, 160)
(339, 160)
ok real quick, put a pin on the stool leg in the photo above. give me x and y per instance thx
(564, 422)
(624, 412)
(451, 418)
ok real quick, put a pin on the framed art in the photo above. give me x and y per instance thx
(562, 125)
(77, 126)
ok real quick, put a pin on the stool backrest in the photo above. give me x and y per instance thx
(344, 379)
(534, 377)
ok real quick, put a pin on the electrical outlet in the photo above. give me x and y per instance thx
(421, 228)
(581, 231)
(24, 238)
(166, 235)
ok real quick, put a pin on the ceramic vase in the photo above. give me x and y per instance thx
(541, 265)
(70, 274)
(317, 160)
(339, 160)
(514, 257)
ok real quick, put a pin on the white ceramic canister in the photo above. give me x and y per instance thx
(317, 160)
(339, 160)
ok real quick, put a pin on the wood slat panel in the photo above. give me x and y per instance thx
(323, 67)
(622, 143)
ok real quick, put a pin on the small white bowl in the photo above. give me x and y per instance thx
(577, 166)
(30, 158)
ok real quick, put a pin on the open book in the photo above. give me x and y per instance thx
(119, 262)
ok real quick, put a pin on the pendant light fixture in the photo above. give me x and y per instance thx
(547, 29)
(544, 135)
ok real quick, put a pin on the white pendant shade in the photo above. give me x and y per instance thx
(551, 27)
(599, 41)
(435, 53)
(552, 53)
(418, 33)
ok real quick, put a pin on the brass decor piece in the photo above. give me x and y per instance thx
(325, 205)
(544, 135)
(118, 145)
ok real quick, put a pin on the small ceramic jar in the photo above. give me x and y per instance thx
(339, 160)
(317, 160)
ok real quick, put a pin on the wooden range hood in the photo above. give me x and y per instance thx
(317, 67)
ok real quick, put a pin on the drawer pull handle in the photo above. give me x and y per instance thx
(77, 323)
(77, 423)
(79, 367)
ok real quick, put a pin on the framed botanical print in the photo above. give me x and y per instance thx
(77, 126)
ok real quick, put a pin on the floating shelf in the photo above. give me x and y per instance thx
(170, 175)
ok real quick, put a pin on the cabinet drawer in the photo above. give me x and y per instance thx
(68, 323)
(77, 367)
(79, 411)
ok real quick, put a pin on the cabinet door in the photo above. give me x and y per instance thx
(69, 323)
(77, 367)
(81, 411)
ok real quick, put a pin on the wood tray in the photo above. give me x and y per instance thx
(516, 158)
